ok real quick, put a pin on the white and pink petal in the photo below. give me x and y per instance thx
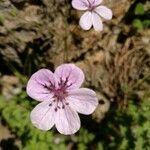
(97, 22)
(43, 116)
(36, 86)
(95, 2)
(70, 74)
(80, 4)
(82, 100)
(67, 121)
(104, 12)
(86, 20)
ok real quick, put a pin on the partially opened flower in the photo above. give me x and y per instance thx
(93, 14)
(61, 98)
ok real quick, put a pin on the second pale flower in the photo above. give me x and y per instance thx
(93, 13)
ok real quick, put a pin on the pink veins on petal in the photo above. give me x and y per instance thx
(61, 98)
(93, 13)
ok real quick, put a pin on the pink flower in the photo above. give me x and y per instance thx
(93, 14)
(61, 98)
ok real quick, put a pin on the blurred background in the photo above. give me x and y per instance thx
(45, 33)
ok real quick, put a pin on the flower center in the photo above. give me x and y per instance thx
(91, 6)
(60, 95)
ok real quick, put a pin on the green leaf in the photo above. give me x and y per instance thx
(146, 23)
(81, 146)
(2, 20)
(139, 9)
(100, 146)
(137, 24)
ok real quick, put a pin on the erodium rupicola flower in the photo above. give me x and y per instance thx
(61, 98)
(94, 12)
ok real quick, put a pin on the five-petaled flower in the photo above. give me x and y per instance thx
(93, 14)
(61, 98)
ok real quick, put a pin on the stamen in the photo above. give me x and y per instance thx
(69, 85)
(60, 94)
(66, 80)
(63, 83)
(67, 103)
(50, 104)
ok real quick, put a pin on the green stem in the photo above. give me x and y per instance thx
(66, 43)
(66, 34)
